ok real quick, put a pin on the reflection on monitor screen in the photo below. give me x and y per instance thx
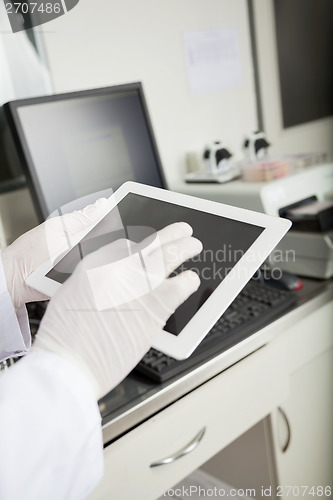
(80, 143)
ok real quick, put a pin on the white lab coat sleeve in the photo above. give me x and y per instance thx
(50, 431)
(15, 338)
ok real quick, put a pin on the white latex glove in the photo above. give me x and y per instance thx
(106, 315)
(42, 243)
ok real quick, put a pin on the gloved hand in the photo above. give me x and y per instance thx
(44, 242)
(105, 317)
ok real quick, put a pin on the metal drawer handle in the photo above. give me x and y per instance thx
(184, 451)
(288, 438)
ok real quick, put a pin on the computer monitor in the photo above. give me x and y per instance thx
(78, 143)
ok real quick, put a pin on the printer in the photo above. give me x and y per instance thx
(305, 197)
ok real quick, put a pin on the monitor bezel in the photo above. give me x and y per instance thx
(11, 109)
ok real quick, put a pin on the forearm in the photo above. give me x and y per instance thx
(50, 431)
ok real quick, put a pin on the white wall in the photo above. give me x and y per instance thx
(106, 42)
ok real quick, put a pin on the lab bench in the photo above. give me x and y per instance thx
(257, 415)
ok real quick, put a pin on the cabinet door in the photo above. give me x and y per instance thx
(303, 432)
(194, 428)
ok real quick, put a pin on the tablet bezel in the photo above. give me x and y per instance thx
(182, 345)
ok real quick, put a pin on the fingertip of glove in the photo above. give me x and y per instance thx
(186, 283)
(192, 279)
(97, 209)
(100, 203)
(185, 228)
(197, 245)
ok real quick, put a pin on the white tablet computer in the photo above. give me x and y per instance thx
(235, 243)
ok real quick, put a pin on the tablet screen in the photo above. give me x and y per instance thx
(224, 242)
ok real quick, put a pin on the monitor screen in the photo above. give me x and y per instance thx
(75, 144)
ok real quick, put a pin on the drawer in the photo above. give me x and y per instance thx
(309, 337)
(218, 411)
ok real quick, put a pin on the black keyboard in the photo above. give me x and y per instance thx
(255, 307)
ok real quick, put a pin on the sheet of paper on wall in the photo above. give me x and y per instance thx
(212, 60)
